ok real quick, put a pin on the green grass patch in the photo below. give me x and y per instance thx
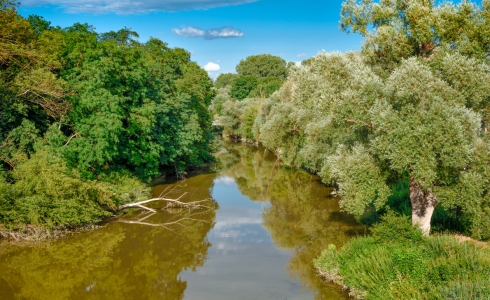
(398, 262)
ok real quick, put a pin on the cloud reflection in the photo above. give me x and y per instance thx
(236, 229)
(225, 181)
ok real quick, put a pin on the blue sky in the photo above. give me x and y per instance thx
(293, 30)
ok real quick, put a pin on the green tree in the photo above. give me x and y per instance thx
(264, 65)
(397, 29)
(225, 79)
(217, 103)
(266, 86)
(366, 132)
(90, 105)
(242, 86)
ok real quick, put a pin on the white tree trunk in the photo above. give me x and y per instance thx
(423, 205)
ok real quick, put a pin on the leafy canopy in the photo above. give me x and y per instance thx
(264, 65)
(397, 29)
(225, 79)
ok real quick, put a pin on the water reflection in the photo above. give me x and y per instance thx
(119, 261)
(272, 221)
(301, 216)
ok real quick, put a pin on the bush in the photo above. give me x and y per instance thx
(396, 228)
(397, 262)
(45, 193)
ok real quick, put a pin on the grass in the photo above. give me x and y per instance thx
(398, 262)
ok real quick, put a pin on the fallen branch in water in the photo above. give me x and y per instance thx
(180, 211)
(170, 203)
(175, 222)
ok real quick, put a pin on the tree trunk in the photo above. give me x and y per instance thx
(423, 205)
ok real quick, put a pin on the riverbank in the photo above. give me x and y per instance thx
(261, 241)
(398, 262)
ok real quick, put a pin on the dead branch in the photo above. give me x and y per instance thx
(170, 203)
(165, 225)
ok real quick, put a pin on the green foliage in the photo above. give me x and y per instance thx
(242, 86)
(217, 103)
(47, 194)
(396, 30)
(396, 228)
(233, 115)
(84, 111)
(391, 265)
(224, 80)
(38, 23)
(338, 117)
(264, 65)
(248, 121)
(266, 86)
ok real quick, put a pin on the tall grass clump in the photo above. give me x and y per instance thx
(398, 262)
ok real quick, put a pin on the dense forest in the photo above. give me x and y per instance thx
(86, 118)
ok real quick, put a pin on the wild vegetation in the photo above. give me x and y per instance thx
(412, 106)
(400, 129)
(86, 117)
(398, 262)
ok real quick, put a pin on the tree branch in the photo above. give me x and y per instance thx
(357, 121)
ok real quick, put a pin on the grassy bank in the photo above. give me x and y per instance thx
(398, 262)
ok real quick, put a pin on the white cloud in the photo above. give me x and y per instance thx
(131, 6)
(301, 55)
(211, 67)
(218, 61)
(297, 63)
(210, 34)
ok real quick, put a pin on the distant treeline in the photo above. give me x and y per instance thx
(85, 116)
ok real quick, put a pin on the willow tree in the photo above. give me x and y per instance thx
(398, 29)
(366, 132)
(430, 115)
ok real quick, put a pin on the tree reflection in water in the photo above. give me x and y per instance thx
(119, 261)
(302, 216)
(134, 261)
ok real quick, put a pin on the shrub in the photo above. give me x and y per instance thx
(397, 262)
(396, 228)
(45, 193)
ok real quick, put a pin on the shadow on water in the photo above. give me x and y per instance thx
(271, 223)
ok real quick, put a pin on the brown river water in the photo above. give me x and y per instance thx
(272, 221)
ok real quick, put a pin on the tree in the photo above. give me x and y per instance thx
(366, 132)
(266, 86)
(225, 79)
(242, 86)
(90, 105)
(264, 65)
(397, 29)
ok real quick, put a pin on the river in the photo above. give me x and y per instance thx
(272, 221)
